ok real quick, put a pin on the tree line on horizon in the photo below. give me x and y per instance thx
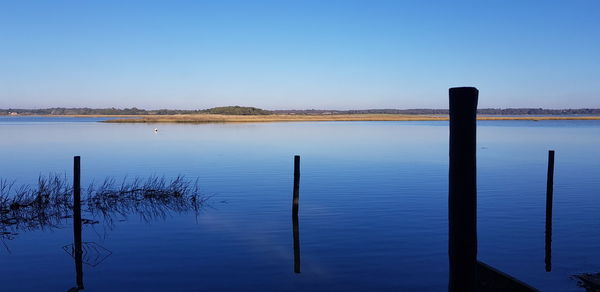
(225, 110)
(241, 110)
(485, 111)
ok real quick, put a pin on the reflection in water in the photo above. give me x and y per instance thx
(589, 281)
(296, 230)
(548, 242)
(77, 251)
(92, 254)
(27, 209)
(295, 226)
(49, 205)
(549, 197)
(491, 280)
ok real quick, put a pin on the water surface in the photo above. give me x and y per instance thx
(373, 204)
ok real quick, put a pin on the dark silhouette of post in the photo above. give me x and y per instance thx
(549, 199)
(77, 245)
(462, 191)
(295, 223)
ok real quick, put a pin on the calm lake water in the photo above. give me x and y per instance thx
(373, 204)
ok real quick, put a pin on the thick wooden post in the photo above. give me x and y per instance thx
(462, 191)
(78, 249)
(295, 223)
(549, 199)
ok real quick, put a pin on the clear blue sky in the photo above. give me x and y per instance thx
(298, 54)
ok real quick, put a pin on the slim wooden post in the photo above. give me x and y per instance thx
(462, 191)
(295, 223)
(296, 185)
(78, 252)
(549, 199)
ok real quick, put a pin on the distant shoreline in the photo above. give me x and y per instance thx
(215, 118)
(212, 118)
(248, 110)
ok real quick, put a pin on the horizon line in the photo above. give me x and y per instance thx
(289, 109)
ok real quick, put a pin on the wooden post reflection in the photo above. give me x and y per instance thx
(296, 244)
(462, 190)
(296, 185)
(549, 199)
(78, 250)
(295, 223)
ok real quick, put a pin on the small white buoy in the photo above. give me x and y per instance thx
(155, 130)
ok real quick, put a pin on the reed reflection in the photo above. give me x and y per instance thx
(50, 204)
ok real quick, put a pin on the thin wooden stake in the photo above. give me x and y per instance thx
(295, 223)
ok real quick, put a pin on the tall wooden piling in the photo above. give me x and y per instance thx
(549, 199)
(462, 191)
(78, 249)
(295, 223)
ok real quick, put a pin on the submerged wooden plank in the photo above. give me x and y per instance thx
(492, 280)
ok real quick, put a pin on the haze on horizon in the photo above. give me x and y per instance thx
(298, 55)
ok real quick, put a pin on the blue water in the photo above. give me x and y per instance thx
(373, 204)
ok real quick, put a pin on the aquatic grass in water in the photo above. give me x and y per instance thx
(50, 202)
(153, 198)
(27, 208)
